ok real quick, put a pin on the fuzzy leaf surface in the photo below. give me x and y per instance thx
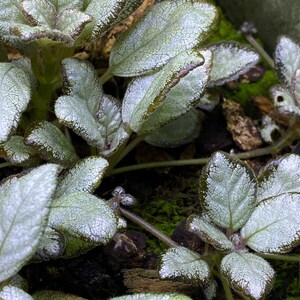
(84, 216)
(24, 207)
(10, 292)
(84, 176)
(274, 226)
(15, 151)
(151, 103)
(287, 59)
(209, 233)
(230, 60)
(168, 28)
(248, 274)
(178, 132)
(180, 263)
(228, 191)
(15, 93)
(143, 296)
(51, 144)
(280, 176)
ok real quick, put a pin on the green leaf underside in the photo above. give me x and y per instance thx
(10, 292)
(84, 176)
(167, 29)
(15, 93)
(51, 144)
(209, 233)
(84, 216)
(287, 59)
(152, 102)
(178, 132)
(24, 205)
(15, 151)
(180, 263)
(230, 60)
(77, 246)
(280, 176)
(54, 295)
(274, 226)
(144, 296)
(248, 274)
(228, 191)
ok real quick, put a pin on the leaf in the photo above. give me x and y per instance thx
(168, 28)
(15, 93)
(209, 100)
(15, 151)
(13, 293)
(61, 5)
(287, 59)
(54, 295)
(295, 87)
(230, 60)
(228, 191)
(144, 296)
(180, 263)
(85, 176)
(274, 226)
(248, 274)
(209, 233)
(24, 207)
(172, 92)
(280, 176)
(178, 132)
(77, 246)
(84, 216)
(51, 144)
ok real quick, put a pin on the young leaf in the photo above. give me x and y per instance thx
(183, 264)
(51, 144)
(24, 207)
(15, 95)
(274, 226)
(168, 28)
(248, 274)
(230, 60)
(152, 297)
(209, 233)
(280, 176)
(172, 92)
(10, 292)
(228, 191)
(178, 132)
(287, 59)
(84, 176)
(15, 151)
(84, 216)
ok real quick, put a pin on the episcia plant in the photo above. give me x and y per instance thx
(245, 220)
(48, 92)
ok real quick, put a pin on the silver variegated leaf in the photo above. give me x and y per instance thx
(295, 87)
(167, 94)
(274, 226)
(209, 100)
(248, 274)
(15, 93)
(228, 190)
(51, 144)
(284, 100)
(84, 176)
(178, 132)
(83, 216)
(180, 263)
(230, 60)
(210, 289)
(61, 5)
(23, 217)
(10, 292)
(209, 233)
(144, 296)
(279, 176)
(287, 59)
(168, 28)
(15, 151)
(55, 295)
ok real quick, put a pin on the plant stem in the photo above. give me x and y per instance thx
(225, 285)
(291, 258)
(5, 164)
(106, 76)
(148, 227)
